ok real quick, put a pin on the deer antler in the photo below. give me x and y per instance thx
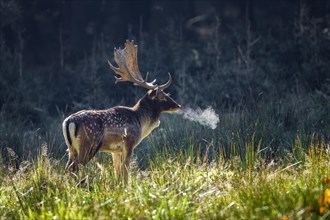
(164, 86)
(128, 68)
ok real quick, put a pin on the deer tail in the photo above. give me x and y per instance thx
(69, 129)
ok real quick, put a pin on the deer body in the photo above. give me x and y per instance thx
(110, 130)
(119, 129)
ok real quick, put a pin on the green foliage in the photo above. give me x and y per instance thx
(176, 185)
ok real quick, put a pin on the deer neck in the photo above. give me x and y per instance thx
(149, 117)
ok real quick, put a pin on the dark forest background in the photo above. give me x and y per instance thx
(267, 61)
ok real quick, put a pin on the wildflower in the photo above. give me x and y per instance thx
(322, 210)
(326, 196)
(284, 217)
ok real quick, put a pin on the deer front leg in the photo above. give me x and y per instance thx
(116, 157)
(127, 153)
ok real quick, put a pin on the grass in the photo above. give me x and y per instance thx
(191, 179)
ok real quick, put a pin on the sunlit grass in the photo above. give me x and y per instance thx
(183, 184)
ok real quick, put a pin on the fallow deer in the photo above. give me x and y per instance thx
(119, 129)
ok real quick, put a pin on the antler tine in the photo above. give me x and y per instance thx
(153, 81)
(117, 71)
(167, 84)
(128, 68)
(146, 76)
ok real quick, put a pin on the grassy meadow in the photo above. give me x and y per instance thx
(187, 171)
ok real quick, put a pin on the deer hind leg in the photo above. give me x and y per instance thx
(80, 158)
(87, 150)
(71, 165)
(82, 145)
(69, 130)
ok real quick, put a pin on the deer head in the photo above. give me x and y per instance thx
(128, 70)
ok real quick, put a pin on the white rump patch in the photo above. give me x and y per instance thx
(75, 140)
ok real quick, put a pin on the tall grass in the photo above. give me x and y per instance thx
(183, 172)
